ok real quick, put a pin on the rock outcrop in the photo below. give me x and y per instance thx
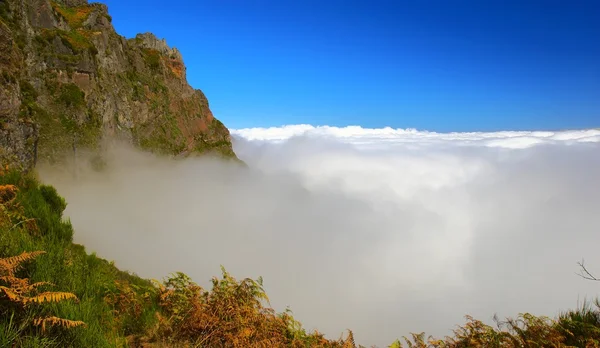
(68, 81)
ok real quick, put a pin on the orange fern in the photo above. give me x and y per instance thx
(9, 265)
(51, 297)
(55, 321)
(21, 285)
(24, 293)
(16, 283)
(232, 314)
(11, 294)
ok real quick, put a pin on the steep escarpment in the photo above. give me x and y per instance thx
(69, 81)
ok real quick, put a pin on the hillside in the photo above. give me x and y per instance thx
(69, 81)
(54, 294)
(70, 84)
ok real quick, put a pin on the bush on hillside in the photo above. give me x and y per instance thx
(120, 309)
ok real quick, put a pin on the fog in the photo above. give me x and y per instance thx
(384, 232)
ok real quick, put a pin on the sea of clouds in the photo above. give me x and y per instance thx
(382, 231)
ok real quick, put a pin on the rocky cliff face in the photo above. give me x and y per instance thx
(68, 81)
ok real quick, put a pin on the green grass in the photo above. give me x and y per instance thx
(72, 96)
(29, 93)
(77, 40)
(68, 267)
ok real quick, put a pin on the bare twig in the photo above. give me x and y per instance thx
(585, 274)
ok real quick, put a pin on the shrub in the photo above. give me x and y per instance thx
(71, 95)
(56, 203)
(29, 93)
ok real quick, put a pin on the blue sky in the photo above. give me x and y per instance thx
(428, 64)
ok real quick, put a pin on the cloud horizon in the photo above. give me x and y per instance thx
(381, 231)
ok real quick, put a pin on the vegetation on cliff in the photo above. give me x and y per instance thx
(69, 81)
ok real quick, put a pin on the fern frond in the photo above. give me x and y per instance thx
(15, 282)
(38, 284)
(13, 295)
(21, 285)
(56, 321)
(51, 297)
(9, 265)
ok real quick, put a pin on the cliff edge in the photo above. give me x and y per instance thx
(68, 81)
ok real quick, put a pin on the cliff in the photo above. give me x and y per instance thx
(68, 81)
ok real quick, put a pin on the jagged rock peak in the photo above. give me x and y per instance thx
(72, 3)
(150, 41)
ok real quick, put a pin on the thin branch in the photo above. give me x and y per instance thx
(585, 274)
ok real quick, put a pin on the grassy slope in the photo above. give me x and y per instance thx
(67, 265)
(122, 309)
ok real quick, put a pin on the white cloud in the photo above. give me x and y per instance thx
(381, 231)
(385, 136)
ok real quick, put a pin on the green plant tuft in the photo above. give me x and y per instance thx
(72, 96)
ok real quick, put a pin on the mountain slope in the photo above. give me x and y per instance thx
(69, 81)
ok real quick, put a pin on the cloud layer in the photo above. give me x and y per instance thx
(378, 230)
(382, 137)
